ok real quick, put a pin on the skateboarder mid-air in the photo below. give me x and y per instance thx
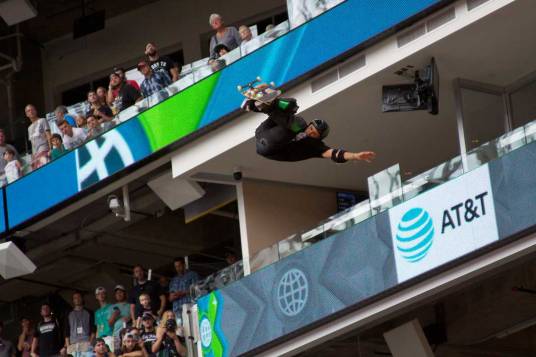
(287, 137)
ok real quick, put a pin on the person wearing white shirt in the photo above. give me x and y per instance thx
(72, 137)
(249, 43)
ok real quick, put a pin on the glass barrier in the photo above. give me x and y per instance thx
(190, 74)
(387, 185)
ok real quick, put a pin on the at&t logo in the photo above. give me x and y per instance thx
(415, 234)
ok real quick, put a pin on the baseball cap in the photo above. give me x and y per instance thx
(147, 316)
(100, 289)
(120, 287)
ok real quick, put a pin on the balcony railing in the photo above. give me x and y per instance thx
(366, 209)
(425, 225)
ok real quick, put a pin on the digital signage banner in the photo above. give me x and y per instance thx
(282, 60)
(305, 287)
(447, 222)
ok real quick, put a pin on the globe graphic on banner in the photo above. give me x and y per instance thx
(415, 235)
(205, 331)
(292, 292)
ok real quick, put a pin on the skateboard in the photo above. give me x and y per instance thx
(261, 92)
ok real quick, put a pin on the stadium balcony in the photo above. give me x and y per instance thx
(195, 105)
(412, 239)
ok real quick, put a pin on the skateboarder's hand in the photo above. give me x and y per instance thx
(367, 156)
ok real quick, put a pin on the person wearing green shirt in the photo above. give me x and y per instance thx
(57, 146)
(102, 315)
(120, 314)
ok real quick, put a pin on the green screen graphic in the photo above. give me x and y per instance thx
(179, 115)
(211, 336)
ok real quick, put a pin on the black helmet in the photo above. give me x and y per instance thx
(322, 127)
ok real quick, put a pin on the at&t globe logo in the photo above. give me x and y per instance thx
(205, 331)
(292, 292)
(415, 234)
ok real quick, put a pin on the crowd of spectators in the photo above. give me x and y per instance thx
(105, 103)
(137, 324)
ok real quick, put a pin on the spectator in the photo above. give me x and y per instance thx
(231, 258)
(249, 44)
(145, 308)
(81, 123)
(120, 314)
(62, 114)
(79, 328)
(161, 63)
(103, 314)
(148, 335)
(122, 94)
(57, 147)
(132, 346)
(102, 94)
(72, 137)
(121, 73)
(6, 347)
(39, 135)
(179, 288)
(100, 111)
(217, 64)
(154, 81)
(101, 349)
(3, 147)
(221, 50)
(151, 288)
(13, 167)
(167, 342)
(228, 36)
(94, 127)
(245, 33)
(24, 344)
(164, 285)
(47, 340)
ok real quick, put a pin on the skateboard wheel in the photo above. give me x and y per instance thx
(239, 88)
(259, 79)
(272, 84)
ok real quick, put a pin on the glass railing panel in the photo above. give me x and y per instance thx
(385, 189)
(264, 257)
(432, 178)
(530, 132)
(348, 218)
(496, 148)
(292, 245)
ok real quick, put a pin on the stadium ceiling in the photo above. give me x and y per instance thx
(55, 17)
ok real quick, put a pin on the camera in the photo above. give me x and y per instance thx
(171, 325)
(116, 206)
(237, 174)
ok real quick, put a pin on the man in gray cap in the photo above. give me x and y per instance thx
(120, 314)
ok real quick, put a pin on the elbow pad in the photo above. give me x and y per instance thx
(337, 155)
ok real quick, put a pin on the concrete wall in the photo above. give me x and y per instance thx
(274, 211)
(171, 24)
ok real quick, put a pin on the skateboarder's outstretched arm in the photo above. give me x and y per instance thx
(341, 156)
